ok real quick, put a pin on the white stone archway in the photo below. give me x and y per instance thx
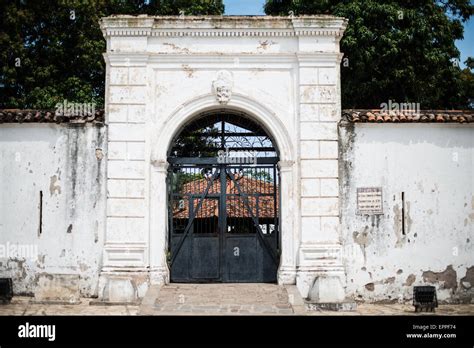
(282, 72)
(162, 136)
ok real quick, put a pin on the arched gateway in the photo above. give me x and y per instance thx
(222, 161)
(223, 201)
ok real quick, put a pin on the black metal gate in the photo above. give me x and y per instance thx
(223, 209)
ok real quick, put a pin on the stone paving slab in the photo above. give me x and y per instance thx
(21, 305)
(401, 309)
(220, 299)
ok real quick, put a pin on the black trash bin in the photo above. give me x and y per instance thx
(6, 290)
(424, 297)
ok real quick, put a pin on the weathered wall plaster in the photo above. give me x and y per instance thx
(433, 165)
(65, 163)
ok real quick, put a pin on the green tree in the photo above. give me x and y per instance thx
(400, 50)
(469, 63)
(467, 80)
(52, 50)
(189, 7)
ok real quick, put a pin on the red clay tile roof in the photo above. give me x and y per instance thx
(46, 116)
(235, 205)
(434, 116)
(351, 115)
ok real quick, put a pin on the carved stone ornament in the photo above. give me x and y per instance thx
(222, 86)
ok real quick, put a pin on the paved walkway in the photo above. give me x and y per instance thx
(220, 299)
(215, 299)
(401, 309)
(21, 305)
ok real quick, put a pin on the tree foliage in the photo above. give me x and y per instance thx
(400, 50)
(52, 50)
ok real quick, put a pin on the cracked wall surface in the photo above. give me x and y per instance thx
(59, 230)
(424, 239)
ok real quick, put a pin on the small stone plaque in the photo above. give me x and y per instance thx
(369, 201)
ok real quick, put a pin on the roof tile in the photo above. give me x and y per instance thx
(351, 115)
(47, 116)
(435, 116)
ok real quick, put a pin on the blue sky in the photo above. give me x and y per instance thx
(466, 46)
(244, 7)
(255, 7)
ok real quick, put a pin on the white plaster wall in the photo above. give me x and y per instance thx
(434, 165)
(67, 164)
(271, 87)
(237, 45)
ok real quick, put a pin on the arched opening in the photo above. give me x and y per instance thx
(223, 201)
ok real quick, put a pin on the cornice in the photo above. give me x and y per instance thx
(223, 26)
